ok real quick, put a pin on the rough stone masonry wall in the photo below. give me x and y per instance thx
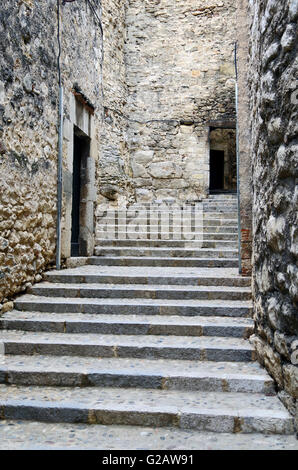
(244, 136)
(180, 76)
(113, 164)
(274, 108)
(28, 126)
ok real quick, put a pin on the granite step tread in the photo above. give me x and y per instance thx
(163, 374)
(167, 221)
(231, 232)
(126, 340)
(140, 215)
(151, 287)
(152, 275)
(238, 403)
(165, 243)
(158, 249)
(207, 225)
(16, 315)
(236, 308)
(166, 252)
(165, 367)
(114, 279)
(32, 435)
(225, 225)
(87, 290)
(210, 411)
(203, 272)
(205, 236)
(145, 346)
(161, 261)
(127, 324)
(145, 214)
(178, 302)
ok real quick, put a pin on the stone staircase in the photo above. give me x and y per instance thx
(146, 346)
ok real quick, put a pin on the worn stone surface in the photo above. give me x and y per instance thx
(122, 353)
(274, 112)
(36, 436)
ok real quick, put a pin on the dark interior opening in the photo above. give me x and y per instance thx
(80, 153)
(217, 160)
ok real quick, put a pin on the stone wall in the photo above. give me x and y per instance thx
(180, 76)
(274, 111)
(224, 140)
(28, 112)
(244, 137)
(113, 164)
(28, 126)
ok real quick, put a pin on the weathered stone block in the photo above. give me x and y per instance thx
(139, 171)
(165, 170)
(143, 157)
(143, 195)
(275, 231)
(291, 380)
(269, 358)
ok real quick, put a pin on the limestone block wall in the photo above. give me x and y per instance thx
(113, 171)
(180, 76)
(274, 112)
(28, 126)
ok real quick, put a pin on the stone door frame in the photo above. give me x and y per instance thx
(80, 120)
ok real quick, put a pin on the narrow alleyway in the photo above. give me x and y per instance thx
(144, 347)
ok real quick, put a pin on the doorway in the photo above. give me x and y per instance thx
(217, 165)
(222, 163)
(81, 148)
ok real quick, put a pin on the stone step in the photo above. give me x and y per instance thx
(156, 205)
(166, 206)
(137, 291)
(150, 276)
(226, 208)
(205, 411)
(154, 225)
(157, 217)
(169, 243)
(158, 236)
(73, 371)
(206, 208)
(127, 324)
(203, 348)
(223, 196)
(153, 233)
(166, 252)
(223, 203)
(166, 262)
(170, 203)
(229, 308)
(32, 435)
